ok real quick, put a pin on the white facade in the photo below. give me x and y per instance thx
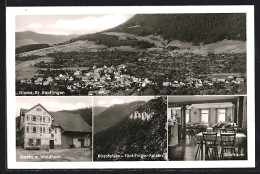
(36, 126)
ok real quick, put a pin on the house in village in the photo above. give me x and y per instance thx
(38, 81)
(166, 83)
(77, 73)
(85, 78)
(53, 129)
(240, 79)
(45, 83)
(49, 79)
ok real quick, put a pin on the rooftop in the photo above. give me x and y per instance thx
(70, 122)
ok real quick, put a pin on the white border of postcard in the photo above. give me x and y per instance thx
(11, 12)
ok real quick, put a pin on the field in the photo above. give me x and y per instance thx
(74, 46)
(156, 40)
(26, 69)
(225, 46)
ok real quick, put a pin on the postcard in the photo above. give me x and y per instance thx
(130, 87)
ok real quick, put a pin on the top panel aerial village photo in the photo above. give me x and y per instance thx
(131, 54)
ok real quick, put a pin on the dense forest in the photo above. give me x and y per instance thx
(113, 41)
(30, 47)
(195, 28)
(85, 113)
(142, 140)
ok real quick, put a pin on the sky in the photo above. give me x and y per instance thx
(69, 24)
(108, 101)
(53, 103)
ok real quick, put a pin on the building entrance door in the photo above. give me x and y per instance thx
(81, 142)
(51, 144)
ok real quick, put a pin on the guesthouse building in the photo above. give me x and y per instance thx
(53, 129)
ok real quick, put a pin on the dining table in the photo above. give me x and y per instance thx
(240, 137)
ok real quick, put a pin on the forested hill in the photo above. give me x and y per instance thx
(135, 136)
(98, 110)
(30, 47)
(196, 28)
(113, 115)
(30, 37)
(85, 113)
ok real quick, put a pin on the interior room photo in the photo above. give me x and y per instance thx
(207, 128)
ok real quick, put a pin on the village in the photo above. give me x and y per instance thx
(106, 80)
(137, 73)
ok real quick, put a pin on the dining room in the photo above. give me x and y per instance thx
(207, 128)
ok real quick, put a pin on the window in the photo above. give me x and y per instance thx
(43, 119)
(38, 141)
(34, 118)
(205, 115)
(221, 115)
(34, 129)
(187, 116)
(38, 109)
(27, 129)
(40, 119)
(49, 130)
(46, 130)
(43, 129)
(40, 129)
(55, 130)
(27, 117)
(30, 141)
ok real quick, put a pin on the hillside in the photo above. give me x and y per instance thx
(136, 137)
(113, 41)
(197, 33)
(29, 37)
(85, 113)
(98, 110)
(113, 115)
(30, 47)
(196, 28)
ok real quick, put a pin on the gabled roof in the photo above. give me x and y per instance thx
(70, 122)
(23, 111)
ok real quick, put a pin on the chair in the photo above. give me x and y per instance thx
(227, 143)
(211, 146)
(230, 129)
(199, 148)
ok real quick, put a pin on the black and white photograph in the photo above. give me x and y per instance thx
(207, 128)
(130, 87)
(131, 54)
(130, 128)
(53, 129)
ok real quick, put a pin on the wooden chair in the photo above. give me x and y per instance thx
(211, 146)
(230, 129)
(200, 145)
(227, 143)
